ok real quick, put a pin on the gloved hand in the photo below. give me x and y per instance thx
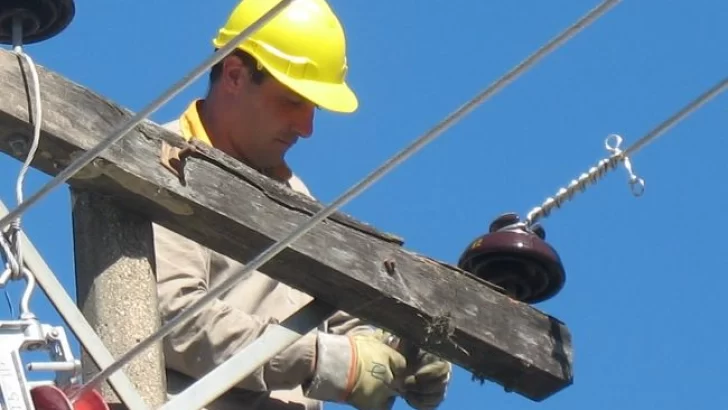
(357, 369)
(428, 375)
(426, 384)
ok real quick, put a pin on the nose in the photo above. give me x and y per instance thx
(303, 120)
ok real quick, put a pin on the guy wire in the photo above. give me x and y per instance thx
(597, 172)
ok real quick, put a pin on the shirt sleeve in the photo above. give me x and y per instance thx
(218, 330)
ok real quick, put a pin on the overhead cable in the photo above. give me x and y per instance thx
(355, 190)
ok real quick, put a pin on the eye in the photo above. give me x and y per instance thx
(296, 101)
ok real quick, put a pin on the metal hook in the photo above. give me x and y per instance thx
(25, 312)
(636, 184)
(15, 271)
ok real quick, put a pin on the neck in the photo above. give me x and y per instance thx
(213, 119)
(212, 116)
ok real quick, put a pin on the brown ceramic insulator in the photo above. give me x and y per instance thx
(518, 261)
(41, 19)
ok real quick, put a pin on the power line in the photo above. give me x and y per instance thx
(605, 165)
(355, 190)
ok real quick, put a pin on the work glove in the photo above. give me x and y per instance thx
(357, 369)
(426, 383)
(428, 376)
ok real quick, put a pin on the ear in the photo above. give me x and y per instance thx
(234, 75)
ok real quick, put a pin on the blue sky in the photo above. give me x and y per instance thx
(645, 276)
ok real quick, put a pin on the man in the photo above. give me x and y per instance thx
(262, 99)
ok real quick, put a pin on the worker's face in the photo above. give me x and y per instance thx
(268, 117)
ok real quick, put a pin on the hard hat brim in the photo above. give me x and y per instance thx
(336, 97)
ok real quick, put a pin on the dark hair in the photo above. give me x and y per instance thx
(257, 72)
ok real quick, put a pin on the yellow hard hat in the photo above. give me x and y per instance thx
(303, 47)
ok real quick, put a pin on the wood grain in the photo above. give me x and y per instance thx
(228, 207)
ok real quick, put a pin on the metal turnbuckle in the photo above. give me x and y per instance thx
(514, 255)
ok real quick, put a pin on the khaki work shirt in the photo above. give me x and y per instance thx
(186, 271)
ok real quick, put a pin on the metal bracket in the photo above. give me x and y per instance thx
(29, 335)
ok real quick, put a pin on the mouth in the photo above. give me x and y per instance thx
(285, 142)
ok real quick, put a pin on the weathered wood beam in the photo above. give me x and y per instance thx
(228, 207)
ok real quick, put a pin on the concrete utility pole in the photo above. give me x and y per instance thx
(116, 291)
